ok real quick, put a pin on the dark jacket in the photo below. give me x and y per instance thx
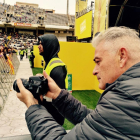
(116, 116)
(32, 56)
(51, 48)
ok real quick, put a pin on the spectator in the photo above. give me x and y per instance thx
(21, 53)
(32, 56)
(1, 51)
(26, 51)
(5, 52)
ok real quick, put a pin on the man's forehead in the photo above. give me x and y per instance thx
(100, 52)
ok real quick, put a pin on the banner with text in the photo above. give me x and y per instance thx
(22, 24)
(83, 26)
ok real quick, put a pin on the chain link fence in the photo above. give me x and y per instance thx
(8, 70)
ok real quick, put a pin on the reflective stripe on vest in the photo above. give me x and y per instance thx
(55, 62)
(21, 52)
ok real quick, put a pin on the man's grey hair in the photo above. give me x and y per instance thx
(117, 37)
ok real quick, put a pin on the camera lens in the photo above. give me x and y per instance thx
(15, 86)
(25, 83)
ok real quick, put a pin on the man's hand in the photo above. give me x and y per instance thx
(54, 90)
(25, 95)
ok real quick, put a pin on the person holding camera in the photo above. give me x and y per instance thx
(117, 114)
(55, 67)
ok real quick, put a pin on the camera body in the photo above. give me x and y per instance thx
(37, 85)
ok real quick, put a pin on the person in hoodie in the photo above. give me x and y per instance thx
(55, 68)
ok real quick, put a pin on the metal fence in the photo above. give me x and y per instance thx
(8, 70)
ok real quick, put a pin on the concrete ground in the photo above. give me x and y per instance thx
(12, 118)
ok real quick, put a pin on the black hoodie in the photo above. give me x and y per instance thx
(51, 48)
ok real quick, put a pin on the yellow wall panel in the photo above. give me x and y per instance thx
(79, 60)
(38, 58)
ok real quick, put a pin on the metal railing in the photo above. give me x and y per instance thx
(8, 70)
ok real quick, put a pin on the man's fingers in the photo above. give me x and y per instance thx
(20, 85)
(45, 74)
(49, 94)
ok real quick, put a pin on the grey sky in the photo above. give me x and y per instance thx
(58, 5)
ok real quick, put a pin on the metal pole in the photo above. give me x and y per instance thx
(67, 7)
(4, 1)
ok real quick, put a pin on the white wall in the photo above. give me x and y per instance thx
(61, 36)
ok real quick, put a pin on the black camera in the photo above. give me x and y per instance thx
(37, 85)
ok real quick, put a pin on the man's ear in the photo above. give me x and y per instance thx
(123, 55)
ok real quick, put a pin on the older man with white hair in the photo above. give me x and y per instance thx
(117, 114)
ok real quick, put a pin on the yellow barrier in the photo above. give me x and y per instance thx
(79, 60)
(38, 58)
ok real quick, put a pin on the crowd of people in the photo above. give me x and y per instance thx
(6, 54)
(17, 40)
(21, 44)
(29, 14)
(21, 14)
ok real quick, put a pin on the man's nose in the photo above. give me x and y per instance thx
(95, 71)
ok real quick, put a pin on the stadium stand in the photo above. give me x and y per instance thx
(25, 22)
(30, 14)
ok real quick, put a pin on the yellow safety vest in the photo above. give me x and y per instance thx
(55, 62)
(31, 52)
(21, 52)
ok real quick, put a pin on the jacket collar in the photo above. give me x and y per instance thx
(132, 72)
